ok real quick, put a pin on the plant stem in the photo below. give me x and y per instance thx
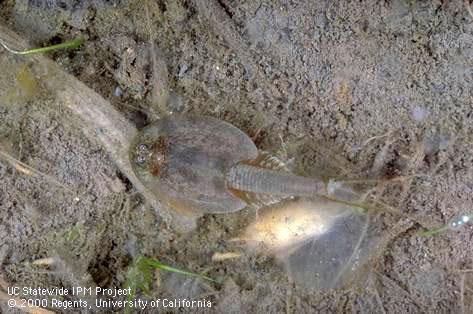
(159, 265)
(98, 120)
(66, 45)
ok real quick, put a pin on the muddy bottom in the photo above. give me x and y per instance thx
(378, 94)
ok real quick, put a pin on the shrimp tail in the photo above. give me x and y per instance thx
(249, 178)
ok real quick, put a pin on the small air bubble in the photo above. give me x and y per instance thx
(419, 113)
(118, 92)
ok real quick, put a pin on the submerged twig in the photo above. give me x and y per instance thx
(28, 170)
(378, 299)
(421, 305)
(221, 24)
(98, 119)
(160, 76)
(224, 26)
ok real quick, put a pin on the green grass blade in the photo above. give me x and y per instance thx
(65, 45)
(159, 265)
(454, 224)
(432, 232)
(140, 276)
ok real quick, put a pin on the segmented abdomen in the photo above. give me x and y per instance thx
(253, 179)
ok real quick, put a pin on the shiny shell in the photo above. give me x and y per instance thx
(184, 160)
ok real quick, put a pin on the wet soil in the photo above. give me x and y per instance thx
(366, 90)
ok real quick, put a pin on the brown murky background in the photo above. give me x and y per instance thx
(371, 89)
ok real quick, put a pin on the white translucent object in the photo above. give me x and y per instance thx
(319, 241)
(460, 221)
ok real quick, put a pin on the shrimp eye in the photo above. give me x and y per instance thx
(142, 147)
(140, 160)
